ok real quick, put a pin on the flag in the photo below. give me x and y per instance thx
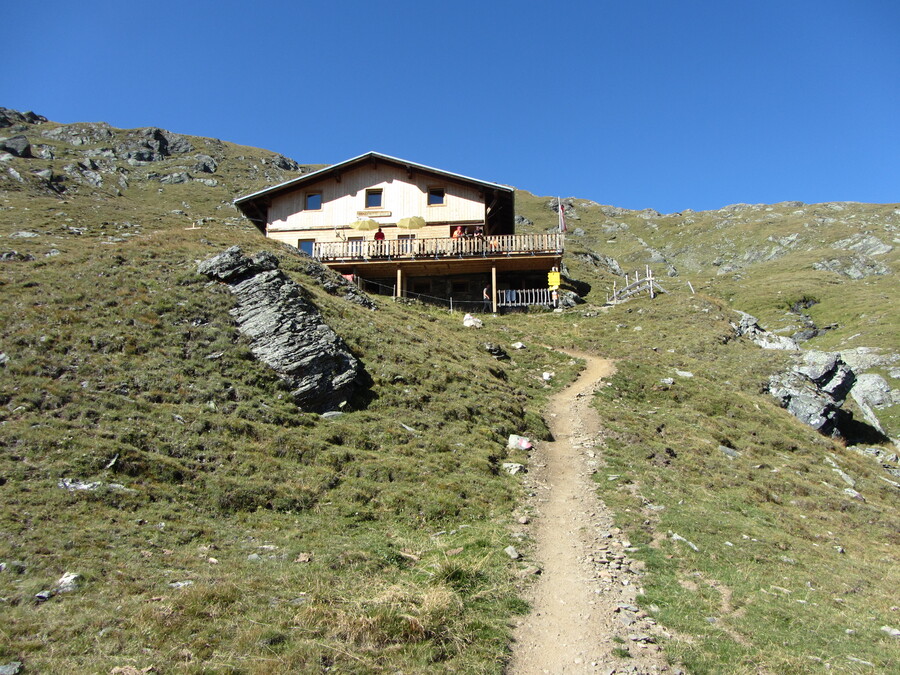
(562, 214)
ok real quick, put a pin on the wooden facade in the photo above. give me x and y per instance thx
(319, 212)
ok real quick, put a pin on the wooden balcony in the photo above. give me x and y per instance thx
(444, 249)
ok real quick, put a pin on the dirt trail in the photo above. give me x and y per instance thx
(583, 602)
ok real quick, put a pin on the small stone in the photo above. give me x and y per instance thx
(11, 668)
(893, 632)
(512, 552)
(68, 582)
(181, 584)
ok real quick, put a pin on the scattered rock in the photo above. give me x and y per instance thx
(749, 327)
(512, 552)
(512, 468)
(684, 373)
(496, 351)
(68, 582)
(470, 321)
(678, 537)
(11, 668)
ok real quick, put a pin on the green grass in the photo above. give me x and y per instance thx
(787, 562)
(357, 545)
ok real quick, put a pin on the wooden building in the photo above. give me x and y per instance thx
(445, 236)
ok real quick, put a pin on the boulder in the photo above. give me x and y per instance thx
(873, 390)
(205, 164)
(814, 391)
(286, 331)
(17, 145)
(285, 163)
(9, 118)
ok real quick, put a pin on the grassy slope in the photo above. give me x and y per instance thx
(380, 549)
(353, 543)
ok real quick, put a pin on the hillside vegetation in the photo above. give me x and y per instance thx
(215, 527)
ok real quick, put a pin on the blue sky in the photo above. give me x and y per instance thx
(665, 104)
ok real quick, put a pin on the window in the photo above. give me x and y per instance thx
(306, 245)
(436, 196)
(373, 199)
(313, 201)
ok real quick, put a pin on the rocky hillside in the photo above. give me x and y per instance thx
(176, 498)
(823, 275)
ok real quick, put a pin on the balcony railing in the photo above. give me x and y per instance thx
(464, 247)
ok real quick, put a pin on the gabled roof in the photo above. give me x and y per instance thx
(336, 169)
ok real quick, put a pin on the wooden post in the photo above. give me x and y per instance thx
(494, 288)
(650, 281)
(399, 283)
(691, 287)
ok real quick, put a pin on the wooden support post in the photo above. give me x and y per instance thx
(494, 289)
(399, 283)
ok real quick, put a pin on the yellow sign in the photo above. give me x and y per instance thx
(552, 279)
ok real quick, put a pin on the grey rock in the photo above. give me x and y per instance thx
(11, 668)
(205, 164)
(80, 134)
(856, 266)
(9, 118)
(15, 256)
(873, 390)
(828, 372)
(285, 163)
(522, 220)
(512, 468)
(181, 584)
(23, 234)
(68, 582)
(334, 283)
(749, 327)
(805, 401)
(496, 351)
(730, 452)
(175, 178)
(286, 331)
(865, 358)
(512, 552)
(17, 145)
(866, 244)
(602, 261)
(151, 145)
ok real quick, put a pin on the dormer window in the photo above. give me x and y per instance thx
(373, 199)
(436, 196)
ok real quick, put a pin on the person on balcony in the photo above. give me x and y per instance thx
(379, 242)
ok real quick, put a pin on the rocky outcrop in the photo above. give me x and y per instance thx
(855, 266)
(749, 327)
(814, 391)
(285, 330)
